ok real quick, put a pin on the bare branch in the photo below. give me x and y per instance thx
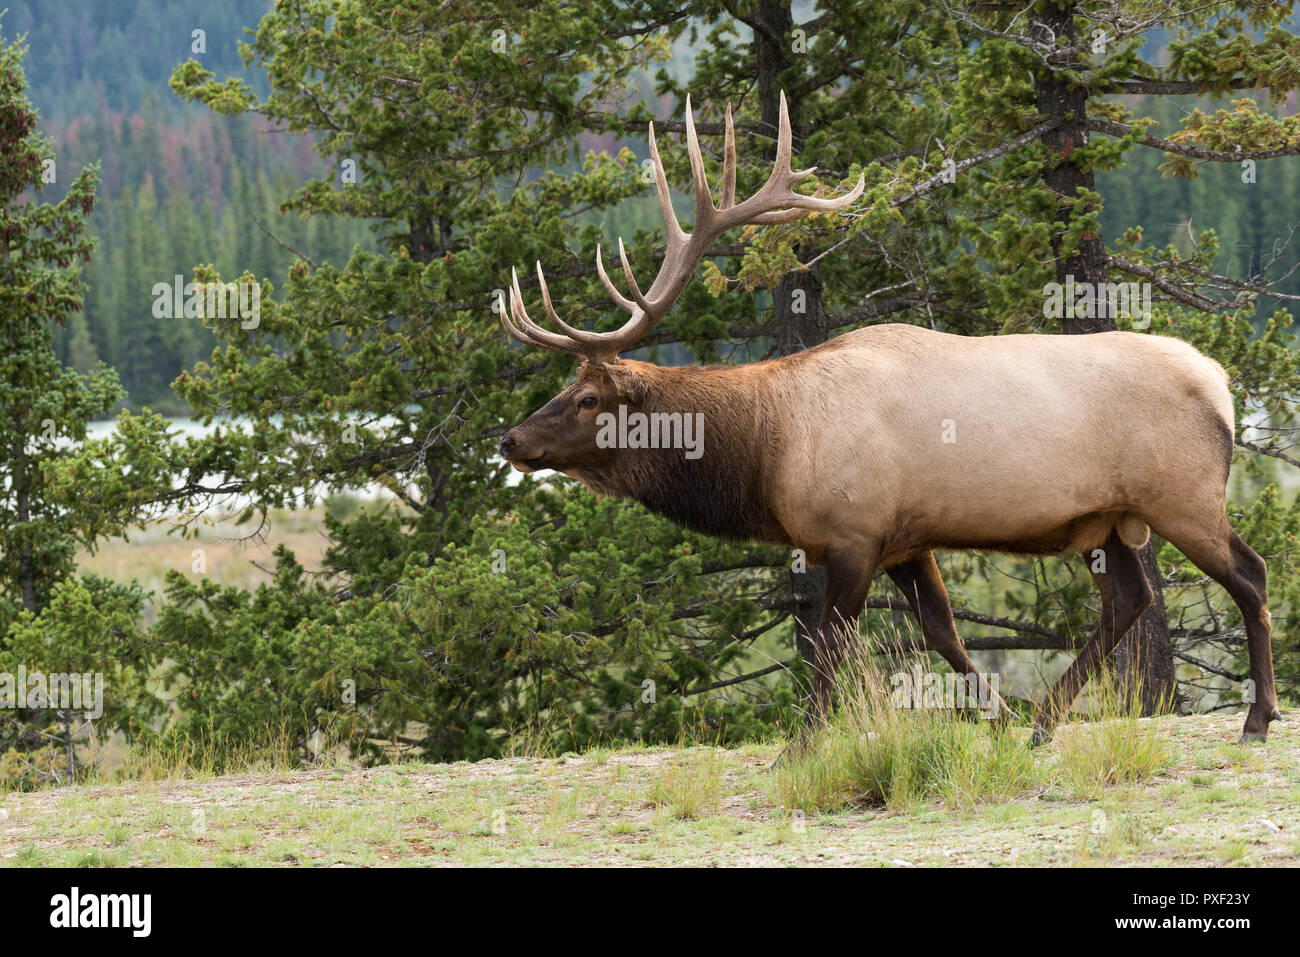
(1196, 152)
(939, 179)
(1263, 450)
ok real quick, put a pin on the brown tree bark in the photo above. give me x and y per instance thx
(799, 315)
(1144, 659)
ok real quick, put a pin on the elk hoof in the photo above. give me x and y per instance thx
(1040, 737)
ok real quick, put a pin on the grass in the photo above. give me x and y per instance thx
(900, 751)
(696, 806)
(198, 756)
(881, 786)
(229, 553)
(1119, 751)
(690, 785)
(876, 754)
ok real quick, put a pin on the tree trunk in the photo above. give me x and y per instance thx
(801, 320)
(1144, 659)
(799, 314)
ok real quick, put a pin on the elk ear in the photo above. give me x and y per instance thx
(628, 384)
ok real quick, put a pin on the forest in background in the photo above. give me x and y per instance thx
(182, 186)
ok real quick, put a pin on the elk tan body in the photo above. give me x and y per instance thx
(872, 450)
(919, 439)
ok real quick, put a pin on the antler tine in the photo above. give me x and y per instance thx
(578, 335)
(620, 300)
(785, 147)
(784, 141)
(800, 206)
(729, 165)
(529, 332)
(646, 306)
(703, 196)
(672, 228)
(515, 333)
(503, 313)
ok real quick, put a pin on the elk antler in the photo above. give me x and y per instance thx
(775, 202)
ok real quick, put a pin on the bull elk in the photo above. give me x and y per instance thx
(875, 448)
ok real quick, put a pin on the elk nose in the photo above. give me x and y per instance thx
(506, 445)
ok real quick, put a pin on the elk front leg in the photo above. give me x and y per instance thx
(848, 578)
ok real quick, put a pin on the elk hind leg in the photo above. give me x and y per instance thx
(1125, 594)
(1224, 556)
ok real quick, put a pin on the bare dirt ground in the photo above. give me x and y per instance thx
(1217, 804)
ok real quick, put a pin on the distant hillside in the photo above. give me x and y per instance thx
(182, 186)
(89, 56)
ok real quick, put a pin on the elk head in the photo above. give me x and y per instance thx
(562, 434)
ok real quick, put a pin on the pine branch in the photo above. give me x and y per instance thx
(1196, 152)
(1177, 87)
(946, 176)
(1262, 450)
(1173, 289)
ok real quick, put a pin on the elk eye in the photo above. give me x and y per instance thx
(587, 401)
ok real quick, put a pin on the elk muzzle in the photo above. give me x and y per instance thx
(518, 451)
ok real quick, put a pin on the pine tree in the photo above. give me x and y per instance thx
(981, 151)
(42, 405)
(50, 623)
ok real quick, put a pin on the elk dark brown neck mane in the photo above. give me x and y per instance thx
(722, 492)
